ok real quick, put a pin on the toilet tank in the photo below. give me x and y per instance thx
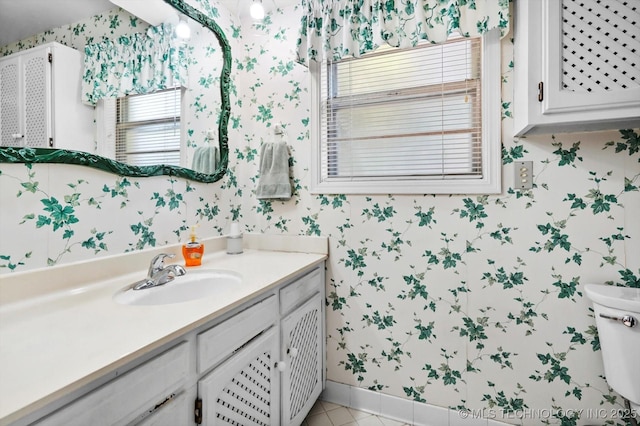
(620, 344)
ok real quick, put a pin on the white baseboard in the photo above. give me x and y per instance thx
(401, 409)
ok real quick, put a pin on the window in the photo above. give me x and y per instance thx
(148, 128)
(420, 120)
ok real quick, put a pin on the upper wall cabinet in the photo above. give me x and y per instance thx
(577, 65)
(40, 100)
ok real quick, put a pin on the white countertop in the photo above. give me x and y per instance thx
(56, 338)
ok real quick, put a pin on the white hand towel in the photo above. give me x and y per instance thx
(274, 172)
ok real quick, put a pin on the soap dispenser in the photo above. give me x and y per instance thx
(234, 239)
(193, 250)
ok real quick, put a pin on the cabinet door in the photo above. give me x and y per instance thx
(593, 56)
(36, 74)
(10, 103)
(575, 66)
(303, 378)
(25, 111)
(244, 390)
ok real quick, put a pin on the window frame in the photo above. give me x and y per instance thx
(106, 127)
(177, 120)
(489, 183)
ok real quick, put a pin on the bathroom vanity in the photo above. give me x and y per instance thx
(253, 355)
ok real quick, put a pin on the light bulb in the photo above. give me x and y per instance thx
(256, 10)
(182, 30)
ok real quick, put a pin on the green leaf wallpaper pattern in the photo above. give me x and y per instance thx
(459, 301)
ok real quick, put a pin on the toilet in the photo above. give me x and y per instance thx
(617, 313)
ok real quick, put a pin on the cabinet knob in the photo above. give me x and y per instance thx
(17, 136)
(293, 352)
(281, 366)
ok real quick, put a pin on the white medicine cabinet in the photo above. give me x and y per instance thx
(577, 66)
(40, 94)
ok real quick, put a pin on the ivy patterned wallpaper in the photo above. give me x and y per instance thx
(456, 301)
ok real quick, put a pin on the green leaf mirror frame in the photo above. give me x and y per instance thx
(62, 156)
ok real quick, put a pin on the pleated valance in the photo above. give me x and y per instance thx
(133, 64)
(332, 30)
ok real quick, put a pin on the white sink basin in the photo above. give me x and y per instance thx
(196, 284)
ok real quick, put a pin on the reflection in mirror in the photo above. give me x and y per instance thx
(203, 121)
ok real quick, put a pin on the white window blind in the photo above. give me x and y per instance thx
(405, 113)
(148, 128)
(403, 117)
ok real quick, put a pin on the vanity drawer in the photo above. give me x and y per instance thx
(123, 399)
(300, 290)
(216, 343)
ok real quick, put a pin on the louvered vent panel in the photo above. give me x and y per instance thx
(245, 401)
(304, 367)
(9, 117)
(35, 102)
(601, 45)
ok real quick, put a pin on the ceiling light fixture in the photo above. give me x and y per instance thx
(256, 10)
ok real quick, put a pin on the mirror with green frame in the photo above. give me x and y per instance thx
(205, 122)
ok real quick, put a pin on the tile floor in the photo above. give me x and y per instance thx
(328, 414)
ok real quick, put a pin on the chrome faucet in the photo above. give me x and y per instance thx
(157, 263)
(168, 273)
(159, 274)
